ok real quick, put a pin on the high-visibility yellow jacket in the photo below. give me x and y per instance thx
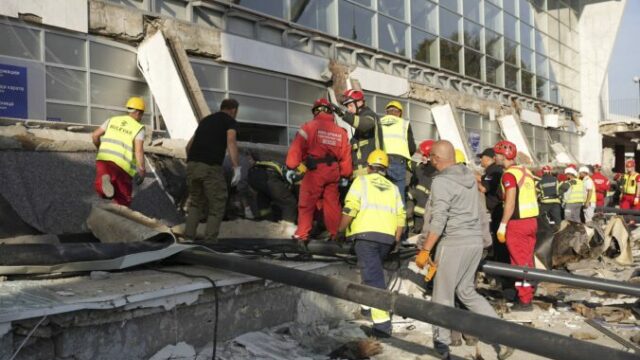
(576, 193)
(117, 143)
(377, 208)
(526, 200)
(395, 133)
(271, 165)
(629, 184)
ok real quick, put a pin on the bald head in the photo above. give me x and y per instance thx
(442, 154)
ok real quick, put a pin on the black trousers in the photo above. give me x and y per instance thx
(273, 190)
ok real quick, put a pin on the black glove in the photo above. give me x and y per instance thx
(394, 247)
(338, 109)
(138, 179)
(340, 237)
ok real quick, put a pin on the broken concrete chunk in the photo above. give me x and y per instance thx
(583, 335)
(180, 350)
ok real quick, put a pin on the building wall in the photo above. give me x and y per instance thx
(67, 14)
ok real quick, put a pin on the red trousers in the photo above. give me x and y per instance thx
(600, 198)
(626, 202)
(521, 242)
(318, 185)
(120, 180)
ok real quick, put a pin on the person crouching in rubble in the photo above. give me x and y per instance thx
(373, 217)
(519, 223)
(572, 191)
(455, 221)
(322, 152)
(120, 153)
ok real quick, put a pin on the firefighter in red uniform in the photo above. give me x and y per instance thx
(321, 150)
(602, 185)
(630, 198)
(519, 220)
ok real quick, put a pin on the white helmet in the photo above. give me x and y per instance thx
(584, 169)
(571, 171)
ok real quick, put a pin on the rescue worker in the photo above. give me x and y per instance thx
(572, 191)
(398, 144)
(602, 186)
(207, 186)
(520, 217)
(420, 187)
(589, 205)
(490, 186)
(455, 223)
(630, 198)
(550, 204)
(367, 134)
(120, 144)
(267, 178)
(373, 217)
(322, 148)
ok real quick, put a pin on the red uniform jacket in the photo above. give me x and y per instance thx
(319, 138)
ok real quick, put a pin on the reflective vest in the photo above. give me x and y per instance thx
(575, 194)
(548, 187)
(376, 206)
(116, 145)
(364, 142)
(395, 132)
(526, 200)
(629, 184)
(271, 165)
(592, 199)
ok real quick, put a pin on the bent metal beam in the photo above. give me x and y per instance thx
(488, 329)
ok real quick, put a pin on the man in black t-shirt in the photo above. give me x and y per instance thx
(215, 134)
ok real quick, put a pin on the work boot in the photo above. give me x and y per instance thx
(442, 349)
(505, 352)
(107, 187)
(522, 307)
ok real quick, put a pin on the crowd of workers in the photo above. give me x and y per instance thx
(367, 189)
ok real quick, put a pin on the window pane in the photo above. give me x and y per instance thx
(391, 37)
(450, 4)
(299, 114)
(527, 83)
(107, 90)
(494, 44)
(239, 26)
(393, 8)
(526, 59)
(99, 116)
(262, 134)
(173, 8)
(305, 93)
(511, 77)
(424, 47)
(19, 42)
(472, 10)
(114, 60)
(213, 99)
(509, 6)
(542, 91)
(261, 110)
(511, 51)
(526, 35)
(419, 112)
(541, 65)
(510, 27)
(313, 13)
(449, 27)
(525, 11)
(67, 113)
(472, 34)
(492, 17)
(425, 15)
(423, 131)
(368, 3)
(356, 23)
(64, 50)
(472, 121)
(494, 74)
(472, 61)
(270, 7)
(66, 84)
(449, 58)
(209, 76)
(256, 83)
(489, 139)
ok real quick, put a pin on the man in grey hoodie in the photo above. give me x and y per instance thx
(456, 222)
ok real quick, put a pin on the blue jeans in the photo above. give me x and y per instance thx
(397, 173)
(370, 257)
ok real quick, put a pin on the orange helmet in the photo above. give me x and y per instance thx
(351, 95)
(506, 148)
(425, 147)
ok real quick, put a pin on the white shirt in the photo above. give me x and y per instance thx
(588, 186)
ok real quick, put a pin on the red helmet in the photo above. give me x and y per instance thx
(597, 166)
(506, 148)
(352, 95)
(573, 166)
(321, 104)
(630, 163)
(562, 177)
(546, 168)
(425, 147)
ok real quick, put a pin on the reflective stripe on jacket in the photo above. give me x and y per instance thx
(117, 143)
(395, 132)
(526, 201)
(576, 193)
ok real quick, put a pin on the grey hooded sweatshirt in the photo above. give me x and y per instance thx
(455, 207)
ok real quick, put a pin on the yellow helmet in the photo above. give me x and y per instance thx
(378, 157)
(460, 158)
(396, 104)
(135, 103)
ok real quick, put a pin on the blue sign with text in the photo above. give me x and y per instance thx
(474, 142)
(13, 91)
